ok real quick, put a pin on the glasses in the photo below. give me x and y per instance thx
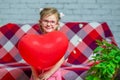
(47, 21)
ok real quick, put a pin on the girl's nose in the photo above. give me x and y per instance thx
(48, 23)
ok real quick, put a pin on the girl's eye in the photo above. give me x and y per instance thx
(47, 21)
(52, 21)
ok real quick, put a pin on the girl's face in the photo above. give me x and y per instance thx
(49, 23)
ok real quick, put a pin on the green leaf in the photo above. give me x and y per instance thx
(112, 53)
(95, 78)
(115, 61)
(112, 64)
(109, 57)
(117, 58)
(90, 77)
(98, 49)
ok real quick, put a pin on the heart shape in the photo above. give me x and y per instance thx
(43, 51)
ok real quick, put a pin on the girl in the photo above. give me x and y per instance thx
(49, 21)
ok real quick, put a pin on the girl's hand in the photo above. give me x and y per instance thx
(35, 78)
(45, 75)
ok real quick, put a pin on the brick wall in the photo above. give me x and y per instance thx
(27, 11)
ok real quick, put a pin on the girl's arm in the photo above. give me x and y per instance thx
(34, 74)
(47, 74)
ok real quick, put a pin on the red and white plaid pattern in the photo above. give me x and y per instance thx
(82, 36)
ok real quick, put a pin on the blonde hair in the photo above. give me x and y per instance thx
(49, 11)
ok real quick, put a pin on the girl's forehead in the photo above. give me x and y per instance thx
(50, 17)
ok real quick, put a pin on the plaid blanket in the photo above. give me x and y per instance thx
(82, 37)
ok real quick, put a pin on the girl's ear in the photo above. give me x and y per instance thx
(58, 26)
(39, 21)
(57, 23)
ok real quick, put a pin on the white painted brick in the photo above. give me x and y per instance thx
(58, 6)
(18, 11)
(110, 6)
(105, 1)
(92, 17)
(38, 1)
(35, 6)
(82, 11)
(10, 1)
(116, 23)
(42, 1)
(4, 6)
(72, 6)
(27, 11)
(116, 12)
(86, 1)
(101, 11)
(20, 5)
(72, 18)
(67, 1)
(67, 12)
(91, 6)
(108, 1)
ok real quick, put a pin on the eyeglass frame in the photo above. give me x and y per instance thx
(51, 22)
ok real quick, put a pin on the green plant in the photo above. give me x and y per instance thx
(108, 56)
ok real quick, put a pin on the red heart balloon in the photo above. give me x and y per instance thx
(43, 51)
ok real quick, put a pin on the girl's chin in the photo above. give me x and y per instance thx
(49, 30)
